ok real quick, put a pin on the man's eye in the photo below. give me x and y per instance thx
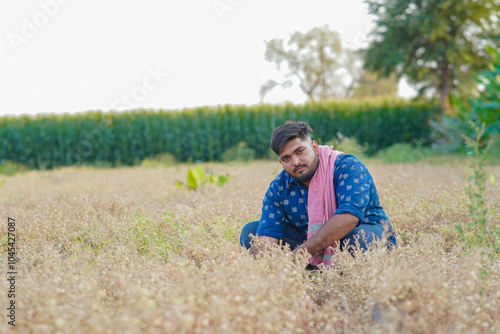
(300, 151)
(285, 159)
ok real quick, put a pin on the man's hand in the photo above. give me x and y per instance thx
(335, 229)
(300, 255)
(262, 243)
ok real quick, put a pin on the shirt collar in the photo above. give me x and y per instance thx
(291, 180)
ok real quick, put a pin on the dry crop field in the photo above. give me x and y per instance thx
(125, 251)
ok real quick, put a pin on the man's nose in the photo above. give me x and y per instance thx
(295, 160)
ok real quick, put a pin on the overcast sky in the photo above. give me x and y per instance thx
(74, 55)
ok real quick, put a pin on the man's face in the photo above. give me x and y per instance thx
(300, 159)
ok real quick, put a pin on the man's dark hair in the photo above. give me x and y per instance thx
(289, 131)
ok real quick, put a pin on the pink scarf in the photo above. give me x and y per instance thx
(321, 199)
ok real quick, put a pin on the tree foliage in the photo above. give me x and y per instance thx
(317, 59)
(437, 44)
(369, 85)
(473, 113)
(485, 109)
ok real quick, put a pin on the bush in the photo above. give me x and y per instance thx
(240, 152)
(201, 134)
(160, 160)
(404, 153)
(485, 109)
(347, 145)
(10, 168)
(495, 148)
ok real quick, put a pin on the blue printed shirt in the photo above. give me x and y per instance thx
(285, 201)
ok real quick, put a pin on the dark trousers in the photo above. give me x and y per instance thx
(295, 236)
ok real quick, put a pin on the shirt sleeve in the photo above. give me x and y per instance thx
(352, 186)
(272, 220)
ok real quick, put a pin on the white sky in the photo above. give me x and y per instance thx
(74, 55)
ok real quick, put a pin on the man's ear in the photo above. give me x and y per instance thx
(315, 146)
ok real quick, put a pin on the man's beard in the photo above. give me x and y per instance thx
(307, 176)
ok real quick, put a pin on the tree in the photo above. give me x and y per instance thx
(270, 85)
(369, 85)
(317, 59)
(437, 44)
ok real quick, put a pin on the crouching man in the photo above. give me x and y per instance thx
(322, 197)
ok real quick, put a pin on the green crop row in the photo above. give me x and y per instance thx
(199, 134)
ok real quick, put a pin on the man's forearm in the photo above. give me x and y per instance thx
(335, 229)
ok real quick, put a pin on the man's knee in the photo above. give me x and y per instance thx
(364, 236)
(248, 229)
